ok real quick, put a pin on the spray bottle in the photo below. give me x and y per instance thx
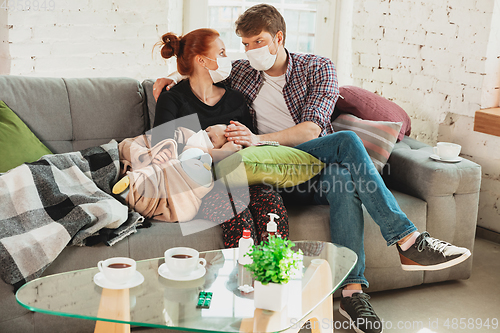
(272, 228)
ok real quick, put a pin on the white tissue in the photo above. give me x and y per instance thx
(200, 139)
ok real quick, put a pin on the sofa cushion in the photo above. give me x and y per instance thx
(105, 108)
(154, 241)
(18, 144)
(43, 105)
(370, 106)
(279, 166)
(378, 137)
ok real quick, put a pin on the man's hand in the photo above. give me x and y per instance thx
(162, 156)
(159, 84)
(240, 134)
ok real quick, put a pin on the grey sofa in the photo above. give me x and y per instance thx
(72, 114)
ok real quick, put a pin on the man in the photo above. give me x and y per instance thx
(291, 98)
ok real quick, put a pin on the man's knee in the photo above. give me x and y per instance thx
(348, 137)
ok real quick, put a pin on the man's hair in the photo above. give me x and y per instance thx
(260, 18)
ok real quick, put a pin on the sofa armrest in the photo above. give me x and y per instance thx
(451, 191)
(411, 170)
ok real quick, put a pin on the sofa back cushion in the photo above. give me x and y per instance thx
(77, 113)
(43, 105)
(106, 108)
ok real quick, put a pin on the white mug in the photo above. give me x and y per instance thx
(447, 150)
(118, 270)
(182, 261)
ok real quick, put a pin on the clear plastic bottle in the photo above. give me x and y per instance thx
(272, 228)
(244, 246)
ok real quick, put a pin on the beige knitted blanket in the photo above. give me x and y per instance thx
(163, 191)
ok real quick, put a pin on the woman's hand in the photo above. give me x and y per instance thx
(240, 134)
(163, 156)
(231, 147)
(159, 84)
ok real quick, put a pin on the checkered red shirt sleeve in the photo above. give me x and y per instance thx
(312, 90)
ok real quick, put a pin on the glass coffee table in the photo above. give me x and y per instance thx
(163, 303)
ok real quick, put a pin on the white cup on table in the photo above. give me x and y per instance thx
(447, 150)
(182, 261)
(118, 270)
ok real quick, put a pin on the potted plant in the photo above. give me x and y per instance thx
(274, 264)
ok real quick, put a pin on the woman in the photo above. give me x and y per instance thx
(201, 56)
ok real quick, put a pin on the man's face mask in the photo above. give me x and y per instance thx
(223, 70)
(261, 59)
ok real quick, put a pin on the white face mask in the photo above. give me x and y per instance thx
(261, 59)
(223, 70)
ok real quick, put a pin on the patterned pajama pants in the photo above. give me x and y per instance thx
(263, 200)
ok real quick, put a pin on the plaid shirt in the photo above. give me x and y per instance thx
(310, 92)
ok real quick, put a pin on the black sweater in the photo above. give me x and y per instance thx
(180, 101)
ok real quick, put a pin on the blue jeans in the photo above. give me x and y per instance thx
(349, 180)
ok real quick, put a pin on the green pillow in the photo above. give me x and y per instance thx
(18, 144)
(279, 166)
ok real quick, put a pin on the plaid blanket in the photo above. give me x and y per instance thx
(58, 200)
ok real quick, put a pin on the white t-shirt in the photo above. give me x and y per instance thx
(270, 108)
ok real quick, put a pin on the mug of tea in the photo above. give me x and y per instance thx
(119, 270)
(182, 261)
(447, 150)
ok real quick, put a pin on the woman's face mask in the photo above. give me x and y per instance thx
(261, 59)
(223, 70)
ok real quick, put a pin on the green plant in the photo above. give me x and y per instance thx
(274, 261)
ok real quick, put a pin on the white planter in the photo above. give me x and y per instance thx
(272, 296)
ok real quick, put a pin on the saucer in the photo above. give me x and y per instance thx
(196, 274)
(102, 282)
(452, 160)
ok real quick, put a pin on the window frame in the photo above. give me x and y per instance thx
(326, 30)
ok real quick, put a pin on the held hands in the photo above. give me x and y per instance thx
(226, 150)
(159, 84)
(239, 134)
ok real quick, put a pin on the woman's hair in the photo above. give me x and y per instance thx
(186, 47)
(260, 18)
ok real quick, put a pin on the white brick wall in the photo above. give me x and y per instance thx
(438, 59)
(89, 38)
(4, 43)
(439, 43)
